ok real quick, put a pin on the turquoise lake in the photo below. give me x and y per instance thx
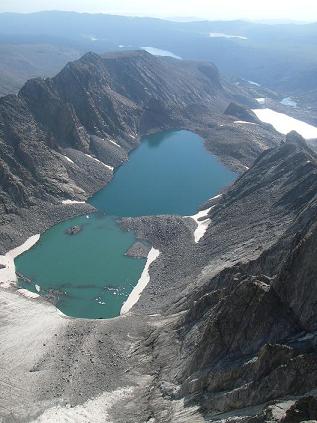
(89, 273)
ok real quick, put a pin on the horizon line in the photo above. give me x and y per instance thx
(176, 19)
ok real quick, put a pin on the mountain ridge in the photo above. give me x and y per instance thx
(49, 128)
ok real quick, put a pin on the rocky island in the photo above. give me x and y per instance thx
(74, 230)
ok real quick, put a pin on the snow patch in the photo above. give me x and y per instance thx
(73, 202)
(158, 52)
(285, 124)
(260, 100)
(254, 83)
(244, 121)
(7, 274)
(94, 410)
(142, 283)
(113, 142)
(28, 294)
(202, 224)
(216, 196)
(94, 158)
(68, 159)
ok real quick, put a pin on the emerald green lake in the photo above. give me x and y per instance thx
(89, 274)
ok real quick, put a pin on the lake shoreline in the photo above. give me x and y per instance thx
(141, 284)
(44, 215)
(93, 276)
(8, 273)
(202, 224)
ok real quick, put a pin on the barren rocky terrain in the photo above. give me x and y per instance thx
(225, 329)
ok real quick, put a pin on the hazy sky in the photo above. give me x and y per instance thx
(208, 9)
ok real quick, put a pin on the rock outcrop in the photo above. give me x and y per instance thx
(241, 113)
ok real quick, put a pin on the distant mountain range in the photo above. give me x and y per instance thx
(40, 44)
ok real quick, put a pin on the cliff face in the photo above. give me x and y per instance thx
(100, 106)
(238, 330)
(256, 320)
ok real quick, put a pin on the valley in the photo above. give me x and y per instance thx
(169, 161)
(88, 274)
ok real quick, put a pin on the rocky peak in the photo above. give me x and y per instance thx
(294, 137)
(241, 113)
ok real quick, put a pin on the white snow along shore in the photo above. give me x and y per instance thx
(7, 274)
(73, 202)
(94, 158)
(142, 283)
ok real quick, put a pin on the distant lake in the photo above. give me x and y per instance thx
(223, 35)
(288, 101)
(169, 173)
(159, 52)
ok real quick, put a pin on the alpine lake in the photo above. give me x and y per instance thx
(88, 273)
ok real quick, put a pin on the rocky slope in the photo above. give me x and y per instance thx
(98, 108)
(236, 336)
(226, 327)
